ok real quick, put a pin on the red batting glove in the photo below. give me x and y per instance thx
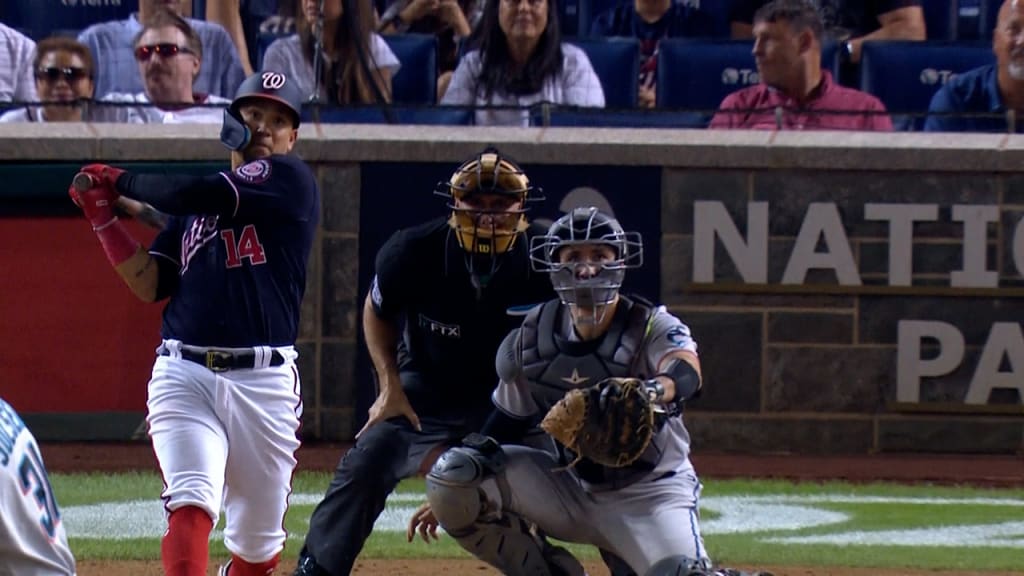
(97, 204)
(103, 174)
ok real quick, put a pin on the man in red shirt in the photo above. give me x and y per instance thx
(795, 93)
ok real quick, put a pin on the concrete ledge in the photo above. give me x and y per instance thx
(577, 146)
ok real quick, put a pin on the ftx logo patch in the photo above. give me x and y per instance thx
(440, 328)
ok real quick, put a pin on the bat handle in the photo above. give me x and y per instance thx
(83, 182)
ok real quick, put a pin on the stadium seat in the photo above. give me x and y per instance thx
(43, 17)
(719, 10)
(940, 18)
(989, 15)
(699, 74)
(617, 63)
(263, 42)
(435, 115)
(590, 9)
(416, 81)
(968, 21)
(905, 75)
(571, 14)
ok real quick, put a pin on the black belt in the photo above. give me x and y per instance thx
(222, 360)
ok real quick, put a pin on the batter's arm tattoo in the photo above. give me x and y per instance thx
(142, 212)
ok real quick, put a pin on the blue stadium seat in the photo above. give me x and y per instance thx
(940, 18)
(719, 10)
(905, 75)
(43, 17)
(969, 21)
(590, 9)
(263, 41)
(699, 74)
(435, 115)
(989, 16)
(571, 17)
(617, 63)
(416, 81)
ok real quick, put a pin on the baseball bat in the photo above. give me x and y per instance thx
(83, 182)
(145, 214)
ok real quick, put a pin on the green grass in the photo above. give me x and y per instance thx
(730, 549)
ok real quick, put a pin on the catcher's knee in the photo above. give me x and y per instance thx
(679, 566)
(453, 483)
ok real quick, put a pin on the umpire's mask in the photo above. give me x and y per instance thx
(591, 284)
(488, 197)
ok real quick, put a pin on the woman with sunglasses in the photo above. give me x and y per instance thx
(357, 63)
(63, 70)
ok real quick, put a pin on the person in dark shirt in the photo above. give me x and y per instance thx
(650, 21)
(451, 283)
(224, 400)
(849, 22)
(992, 89)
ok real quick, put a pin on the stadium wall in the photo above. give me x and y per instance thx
(851, 293)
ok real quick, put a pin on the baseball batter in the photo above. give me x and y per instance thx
(224, 400)
(435, 315)
(487, 497)
(32, 537)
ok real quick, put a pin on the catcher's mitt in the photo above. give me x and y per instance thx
(610, 423)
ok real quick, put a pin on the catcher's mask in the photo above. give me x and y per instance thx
(488, 197)
(586, 284)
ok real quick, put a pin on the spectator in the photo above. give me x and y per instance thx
(169, 56)
(995, 88)
(449, 20)
(787, 48)
(347, 37)
(112, 45)
(16, 53)
(649, 21)
(850, 22)
(245, 20)
(64, 74)
(518, 59)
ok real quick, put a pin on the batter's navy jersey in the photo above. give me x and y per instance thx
(243, 274)
(451, 337)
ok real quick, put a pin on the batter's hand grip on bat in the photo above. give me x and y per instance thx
(83, 182)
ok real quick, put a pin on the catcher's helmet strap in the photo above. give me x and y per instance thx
(233, 132)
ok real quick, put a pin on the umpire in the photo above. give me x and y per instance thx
(437, 310)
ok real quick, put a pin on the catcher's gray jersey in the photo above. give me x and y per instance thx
(542, 360)
(32, 537)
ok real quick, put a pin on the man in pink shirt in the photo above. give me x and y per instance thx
(795, 93)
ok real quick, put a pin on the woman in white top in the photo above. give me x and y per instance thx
(518, 59)
(347, 38)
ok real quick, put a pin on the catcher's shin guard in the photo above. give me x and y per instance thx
(504, 541)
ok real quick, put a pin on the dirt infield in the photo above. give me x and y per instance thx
(977, 470)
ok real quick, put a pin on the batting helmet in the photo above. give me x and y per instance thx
(487, 173)
(274, 86)
(586, 225)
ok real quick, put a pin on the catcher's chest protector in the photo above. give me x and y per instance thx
(554, 365)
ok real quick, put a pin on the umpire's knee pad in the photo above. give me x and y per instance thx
(453, 484)
(679, 566)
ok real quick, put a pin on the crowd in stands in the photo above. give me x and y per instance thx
(783, 64)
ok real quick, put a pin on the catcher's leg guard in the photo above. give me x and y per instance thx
(679, 566)
(460, 502)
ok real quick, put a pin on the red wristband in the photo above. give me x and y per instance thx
(117, 242)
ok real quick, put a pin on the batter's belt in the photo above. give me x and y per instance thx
(224, 360)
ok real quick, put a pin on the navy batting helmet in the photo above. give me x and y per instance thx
(268, 85)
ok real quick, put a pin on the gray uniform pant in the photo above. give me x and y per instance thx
(651, 519)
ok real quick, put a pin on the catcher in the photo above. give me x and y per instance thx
(608, 375)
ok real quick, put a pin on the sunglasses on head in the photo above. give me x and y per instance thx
(144, 53)
(69, 74)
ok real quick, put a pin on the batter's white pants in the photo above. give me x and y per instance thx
(228, 438)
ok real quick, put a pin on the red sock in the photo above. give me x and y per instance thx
(240, 567)
(185, 548)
